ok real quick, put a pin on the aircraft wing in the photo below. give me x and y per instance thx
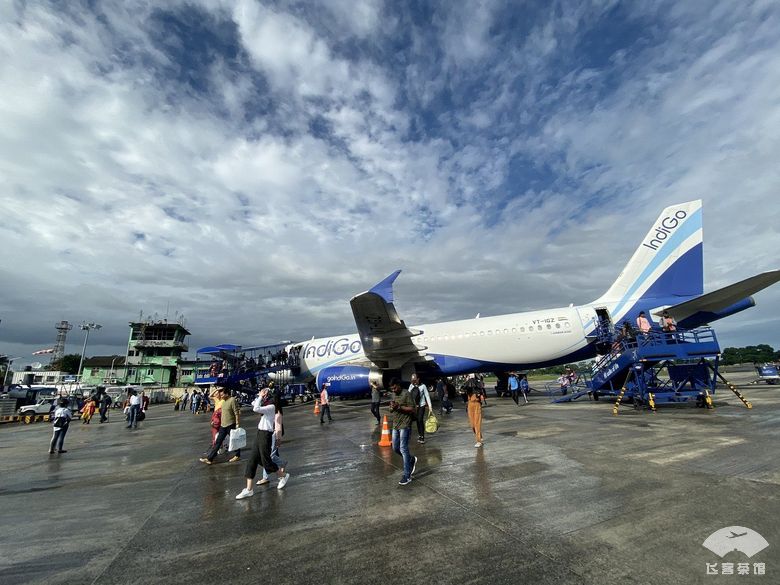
(387, 341)
(724, 297)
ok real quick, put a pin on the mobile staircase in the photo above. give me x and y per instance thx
(661, 368)
(247, 368)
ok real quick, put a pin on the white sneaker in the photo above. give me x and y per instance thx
(283, 481)
(263, 481)
(478, 445)
(245, 493)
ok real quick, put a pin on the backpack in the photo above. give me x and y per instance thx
(415, 395)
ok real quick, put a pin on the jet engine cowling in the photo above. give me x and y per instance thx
(348, 381)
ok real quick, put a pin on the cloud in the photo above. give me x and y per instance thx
(254, 165)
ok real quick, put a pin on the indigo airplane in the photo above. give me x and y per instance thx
(665, 273)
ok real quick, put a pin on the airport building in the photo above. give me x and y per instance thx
(189, 369)
(154, 351)
(30, 376)
(103, 370)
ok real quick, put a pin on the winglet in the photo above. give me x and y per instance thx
(385, 288)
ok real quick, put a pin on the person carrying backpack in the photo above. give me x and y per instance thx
(422, 400)
(60, 423)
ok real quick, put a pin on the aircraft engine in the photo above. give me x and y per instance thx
(350, 381)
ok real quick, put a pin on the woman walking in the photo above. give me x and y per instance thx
(474, 401)
(261, 450)
(276, 440)
(61, 420)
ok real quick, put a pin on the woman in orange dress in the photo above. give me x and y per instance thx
(474, 402)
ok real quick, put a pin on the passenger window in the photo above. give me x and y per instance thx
(549, 326)
(557, 325)
(514, 329)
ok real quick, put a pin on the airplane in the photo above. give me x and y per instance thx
(735, 535)
(666, 272)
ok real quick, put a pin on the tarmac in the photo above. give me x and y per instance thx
(558, 494)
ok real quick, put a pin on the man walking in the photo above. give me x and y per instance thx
(325, 404)
(105, 404)
(422, 400)
(514, 388)
(230, 419)
(403, 408)
(375, 399)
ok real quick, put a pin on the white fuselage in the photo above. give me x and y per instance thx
(517, 339)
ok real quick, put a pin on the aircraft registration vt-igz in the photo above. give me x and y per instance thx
(665, 273)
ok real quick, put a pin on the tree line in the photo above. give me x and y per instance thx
(751, 354)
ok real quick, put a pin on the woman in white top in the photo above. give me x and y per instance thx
(261, 450)
(422, 400)
(61, 420)
(276, 440)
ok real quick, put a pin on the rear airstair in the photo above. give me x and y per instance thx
(661, 368)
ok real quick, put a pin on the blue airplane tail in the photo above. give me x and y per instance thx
(667, 265)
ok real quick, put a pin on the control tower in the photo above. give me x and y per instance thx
(59, 346)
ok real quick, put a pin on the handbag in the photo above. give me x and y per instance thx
(431, 424)
(237, 439)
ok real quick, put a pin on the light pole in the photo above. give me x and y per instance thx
(8, 363)
(85, 327)
(111, 373)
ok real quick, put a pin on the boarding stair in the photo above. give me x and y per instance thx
(661, 367)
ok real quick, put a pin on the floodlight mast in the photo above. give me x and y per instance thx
(85, 327)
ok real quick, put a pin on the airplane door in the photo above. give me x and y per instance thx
(604, 330)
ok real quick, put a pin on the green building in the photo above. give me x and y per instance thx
(188, 369)
(154, 351)
(103, 370)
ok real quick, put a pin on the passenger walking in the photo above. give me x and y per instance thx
(60, 423)
(523, 383)
(144, 401)
(184, 400)
(230, 418)
(276, 440)
(135, 408)
(667, 322)
(261, 450)
(514, 388)
(196, 398)
(105, 404)
(422, 400)
(88, 411)
(643, 323)
(449, 392)
(403, 408)
(441, 392)
(325, 403)
(375, 400)
(475, 412)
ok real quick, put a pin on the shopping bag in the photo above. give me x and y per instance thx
(237, 439)
(432, 424)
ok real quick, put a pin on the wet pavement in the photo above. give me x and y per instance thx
(558, 494)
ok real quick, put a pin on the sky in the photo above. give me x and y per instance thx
(253, 165)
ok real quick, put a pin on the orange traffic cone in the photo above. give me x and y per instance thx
(316, 407)
(384, 440)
